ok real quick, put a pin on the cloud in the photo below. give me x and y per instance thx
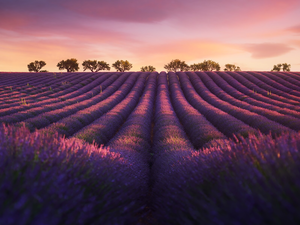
(294, 29)
(183, 12)
(266, 50)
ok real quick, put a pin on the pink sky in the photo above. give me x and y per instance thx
(254, 35)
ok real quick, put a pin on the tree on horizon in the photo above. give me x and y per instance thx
(148, 69)
(70, 65)
(283, 66)
(209, 65)
(176, 65)
(36, 66)
(232, 67)
(122, 66)
(95, 65)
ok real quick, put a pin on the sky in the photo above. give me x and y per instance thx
(252, 34)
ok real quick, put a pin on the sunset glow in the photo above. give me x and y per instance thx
(254, 35)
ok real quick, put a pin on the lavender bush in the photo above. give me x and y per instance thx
(51, 180)
(255, 181)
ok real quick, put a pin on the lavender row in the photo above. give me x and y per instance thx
(32, 93)
(104, 128)
(44, 115)
(34, 85)
(51, 180)
(292, 75)
(78, 93)
(85, 102)
(135, 133)
(255, 181)
(245, 87)
(226, 123)
(277, 86)
(243, 101)
(200, 130)
(169, 141)
(73, 123)
(48, 92)
(282, 83)
(249, 76)
(285, 120)
(290, 78)
(259, 87)
(168, 133)
(253, 119)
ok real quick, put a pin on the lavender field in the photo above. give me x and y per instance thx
(150, 148)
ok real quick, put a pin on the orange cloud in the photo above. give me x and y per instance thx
(267, 50)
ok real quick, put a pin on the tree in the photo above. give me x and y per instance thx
(176, 65)
(209, 65)
(36, 66)
(286, 67)
(95, 66)
(148, 69)
(195, 67)
(232, 67)
(122, 66)
(70, 65)
(277, 67)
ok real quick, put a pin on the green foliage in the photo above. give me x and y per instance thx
(176, 65)
(148, 69)
(209, 65)
(36, 66)
(232, 67)
(122, 66)
(277, 67)
(95, 66)
(70, 65)
(284, 66)
(206, 65)
(195, 67)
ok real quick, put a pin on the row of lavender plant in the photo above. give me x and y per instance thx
(285, 79)
(18, 79)
(73, 123)
(105, 127)
(169, 141)
(243, 101)
(44, 115)
(134, 137)
(198, 128)
(226, 123)
(49, 92)
(46, 179)
(30, 93)
(255, 181)
(289, 76)
(277, 83)
(85, 101)
(253, 119)
(77, 93)
(259, 87)
(285, 120)
(135, 133)
(35, 85)
(243, 88)
(260, 83)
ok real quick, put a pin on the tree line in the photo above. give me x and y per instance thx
(71, 65)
